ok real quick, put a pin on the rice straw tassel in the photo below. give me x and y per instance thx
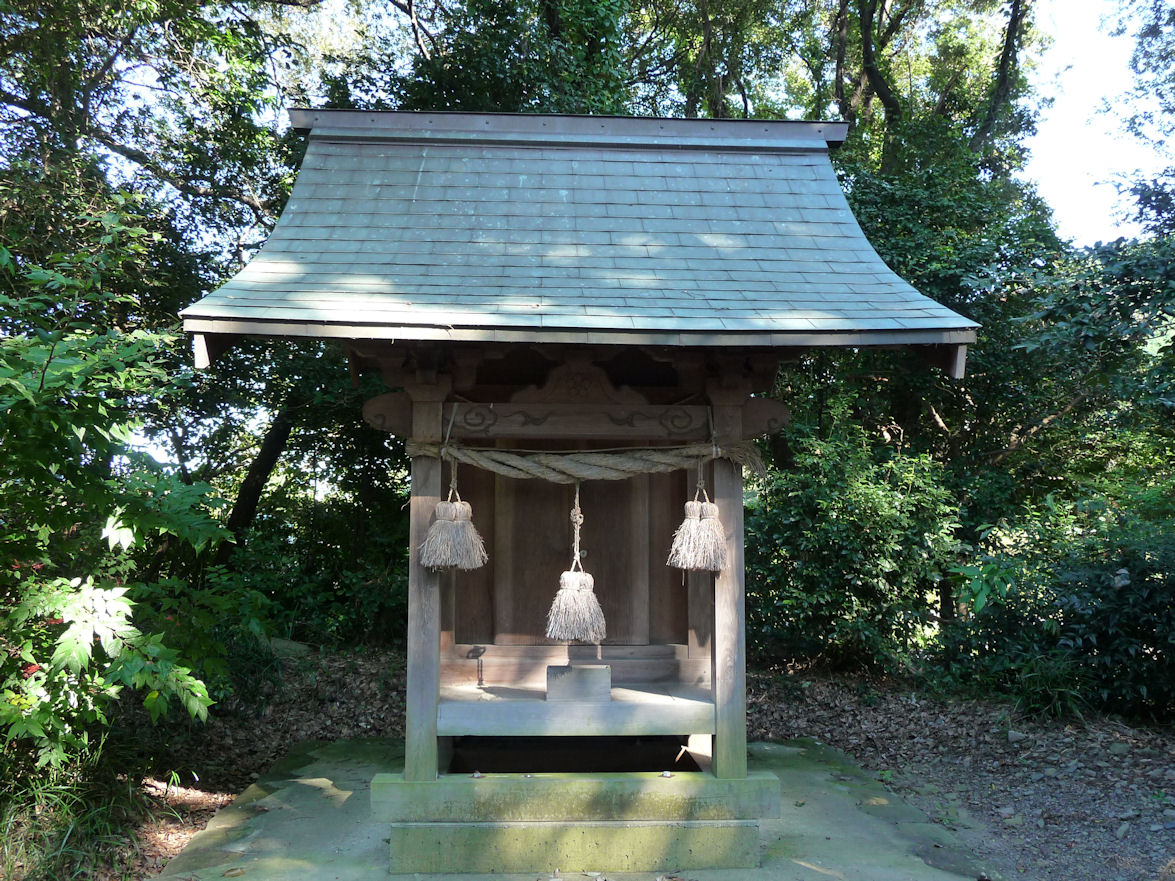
(700, 542)
(575, 612)
(453, 542)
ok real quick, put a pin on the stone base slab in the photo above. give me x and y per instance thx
(593, 846)
(579, 682)
(641, 795)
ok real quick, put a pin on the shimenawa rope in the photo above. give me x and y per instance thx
(576, 466)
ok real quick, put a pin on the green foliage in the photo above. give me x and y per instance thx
(556, 56)
(1115, 303)
(71, 650)
(1116, 599)
(845, 548)
(935, 216)
(73, 500)
(68, 824)
(334, 569)
(177, 91)
(1088, 619)
(213, 622)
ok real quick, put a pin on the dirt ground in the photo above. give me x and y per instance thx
(1036, 799)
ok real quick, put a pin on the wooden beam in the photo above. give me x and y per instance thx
(636, 539)
(764, 416)
(699, 598)
(207, 347)
(729, 639)
(392, 412)
(700, 593)
(952, 360)
(637, 710)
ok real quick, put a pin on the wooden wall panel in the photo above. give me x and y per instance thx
(474, 590)
(532, 546)
(700, 590)
(668, 596)
(616, 539)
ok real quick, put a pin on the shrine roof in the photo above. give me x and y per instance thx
(571, 229)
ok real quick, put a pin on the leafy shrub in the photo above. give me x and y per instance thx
(71, 648)
(74, 498)
(333, 570)
(844, 549)
(1088, 622)
(222, 625)
(1116, 600)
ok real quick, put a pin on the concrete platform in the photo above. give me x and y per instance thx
(461, 849)
(310, 818)
(639, 795)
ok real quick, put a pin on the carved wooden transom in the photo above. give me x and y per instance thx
(579, 381)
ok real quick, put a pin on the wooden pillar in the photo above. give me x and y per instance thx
(730, 636)
(424, 598)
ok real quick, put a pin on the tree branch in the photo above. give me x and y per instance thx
(1001, 89)
(938, 420)
(262, 207)
(886, 34)
(273, 443)
(1018, 440)
(416, 30)
(104, 69)
(945, 95)
(877, 80)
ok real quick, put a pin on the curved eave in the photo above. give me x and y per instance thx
(213, 335)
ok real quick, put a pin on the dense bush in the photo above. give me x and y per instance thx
(844, 550)
(217, 623)
(334, 570)
(1091, 626)
(1116, 600)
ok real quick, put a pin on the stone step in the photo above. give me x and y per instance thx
(511, 670)
(580, 846)
(563, 653)
(636, 795)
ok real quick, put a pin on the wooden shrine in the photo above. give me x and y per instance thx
(571, 295)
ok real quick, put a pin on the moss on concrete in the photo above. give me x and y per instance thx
(310, 818)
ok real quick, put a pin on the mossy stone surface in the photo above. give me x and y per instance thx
(311, 818)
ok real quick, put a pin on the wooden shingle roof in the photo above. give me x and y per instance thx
(498, 227)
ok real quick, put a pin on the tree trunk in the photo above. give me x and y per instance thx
(840, 40)
(249, 495)
(877, 80)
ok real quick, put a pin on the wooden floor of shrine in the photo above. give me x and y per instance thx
(497, 690)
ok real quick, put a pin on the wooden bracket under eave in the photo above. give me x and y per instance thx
(952, 360)
(207, 347)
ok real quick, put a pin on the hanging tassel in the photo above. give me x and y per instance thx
(711, 538)
(575, 612)
(684, 551)
(469, 551)
(453, 542)
(700, 542)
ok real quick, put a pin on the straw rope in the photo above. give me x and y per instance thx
(575, 466)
